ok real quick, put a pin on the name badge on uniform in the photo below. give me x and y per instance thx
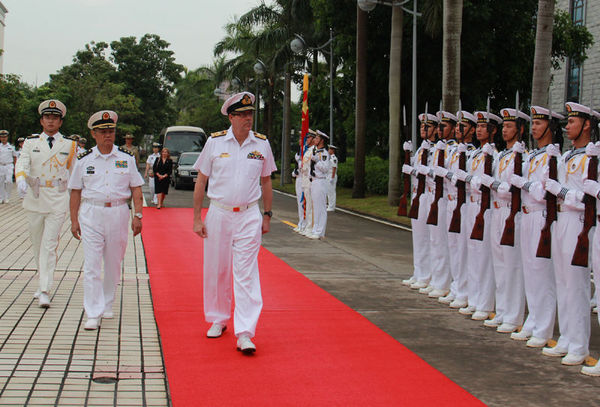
(255, 155)
(36, 150)
(121, 163)
(90, 170)
(224, 155)
(63, 153)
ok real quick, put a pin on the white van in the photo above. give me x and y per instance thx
(181, 139)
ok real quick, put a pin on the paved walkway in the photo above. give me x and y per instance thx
(46, 357)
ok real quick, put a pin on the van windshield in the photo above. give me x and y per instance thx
(181, 141)
(188, 159)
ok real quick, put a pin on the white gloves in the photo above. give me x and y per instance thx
(407, 169)
(425, 145)
(592, 150)
(517, 181)
(487, 180)
(553, 187)
(519, 147)
(407, 146)
(422, 169)
(440, 171)
(462, 148)
(488, 149)
(475, 182)
(461, 175)
(440, 145)
(553, 150)
(22, 188)
(591, 187)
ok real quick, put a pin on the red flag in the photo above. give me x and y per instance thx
(304, 111)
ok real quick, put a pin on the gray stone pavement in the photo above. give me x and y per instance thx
(46, 357)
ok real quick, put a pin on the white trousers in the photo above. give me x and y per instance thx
(538, 274)
(308, 205)
(318, 191)
(420, 237)
(457, 251)
(595, 248)
(231, 249)
(331, 193)
(44, 232)
(104, 238)
(6, 174)
(300, 202)
(440, 259)
(481, 284)
(508, 269)
(572, 285)
(151, 186)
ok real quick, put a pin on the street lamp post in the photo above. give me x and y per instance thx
(368, 5)
(259, 68)
(298, 45)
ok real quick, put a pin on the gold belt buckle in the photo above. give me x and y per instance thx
(49, 184)
(107, 204)
(496, 205)
(525, 210)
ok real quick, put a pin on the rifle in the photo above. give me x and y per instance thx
(402, 204)
(581, 255)
(508, 236)
(477, 233)
(461, 196)
(432, 219)
(545, 244)
(414, 206)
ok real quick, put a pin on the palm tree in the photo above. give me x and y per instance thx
(451, 54)
(395, 150)
(542, 57)
(358, 189)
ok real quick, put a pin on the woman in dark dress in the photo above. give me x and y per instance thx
(162, 175)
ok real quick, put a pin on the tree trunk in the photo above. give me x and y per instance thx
(358, 189)
(451, 54)
(395, 136)
(270, 109)
(543, 48)
(285, 150)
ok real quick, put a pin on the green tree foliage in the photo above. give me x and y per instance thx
(18, 110)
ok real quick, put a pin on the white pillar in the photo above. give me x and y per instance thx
(3, 12)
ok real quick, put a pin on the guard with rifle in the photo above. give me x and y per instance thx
(306, 181)
(420, 203)
(505, 225)
(319, 171)
(481, 285)
(436, 219)
(538, 212)
(592, 188)
(574, 224)
(296, 173)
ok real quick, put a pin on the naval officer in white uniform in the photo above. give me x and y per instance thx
(8, 156)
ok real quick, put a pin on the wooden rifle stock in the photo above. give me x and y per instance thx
(582, 250)
(432, 219)
(414, 206)
(477, 232)
(545, 244)
(403, 203)
(461, 186)
(508, 235)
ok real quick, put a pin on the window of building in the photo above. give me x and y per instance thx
(573, 69)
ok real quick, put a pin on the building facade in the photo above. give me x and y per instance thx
(577, 83)
(3, 12)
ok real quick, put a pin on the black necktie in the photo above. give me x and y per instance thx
(50, 141)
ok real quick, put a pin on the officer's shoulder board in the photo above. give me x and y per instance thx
(86, 152)
(218, 133)
(32, 137)
(70, 138)
(260, 136)
(124, 150)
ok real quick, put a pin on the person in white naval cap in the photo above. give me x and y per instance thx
(592, 188)
(298, 174)
(506, 259)
(81, 142)
(239, 164)
(8, 157)
(19, 145)
(104, 178)
(42, 173)
(333, 177)
(481, 284)
(420, 230)
(538, 272)
(572, 282)
(319, 171)
(148, 174)
(309, 219)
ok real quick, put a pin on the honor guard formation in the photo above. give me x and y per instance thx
(509, 227)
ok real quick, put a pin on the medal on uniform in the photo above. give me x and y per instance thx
(255, 155)
(90, 170)
(121, 163)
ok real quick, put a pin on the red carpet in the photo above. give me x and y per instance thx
(312, 349)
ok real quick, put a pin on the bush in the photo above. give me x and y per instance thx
(376, 175)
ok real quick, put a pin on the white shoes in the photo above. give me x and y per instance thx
(520, 336)
(468, 310)
(480, 315)
(458, 304)
(418, 285)
(245, 345)
(296, 229)
(554, 352)
(591, 370)
(447, 299)
(437, 293)
(44, 300)
(492, 323)
(506, 328)
(92, 323)
(572, 360)
(535, 342)
(409, 281)
(313, 236)
(330, 209)
(216, 330)
(426, 290)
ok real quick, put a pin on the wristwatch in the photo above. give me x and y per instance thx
(138, 215)
(268, 213)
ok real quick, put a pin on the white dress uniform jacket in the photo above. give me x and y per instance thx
(320, 168)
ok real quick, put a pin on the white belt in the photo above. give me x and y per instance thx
(533, 208)
(4, 164)
(234, 208)
(106, 204)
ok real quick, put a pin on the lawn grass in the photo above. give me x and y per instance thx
(372, 205)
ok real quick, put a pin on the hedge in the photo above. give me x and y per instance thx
(376, 174)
